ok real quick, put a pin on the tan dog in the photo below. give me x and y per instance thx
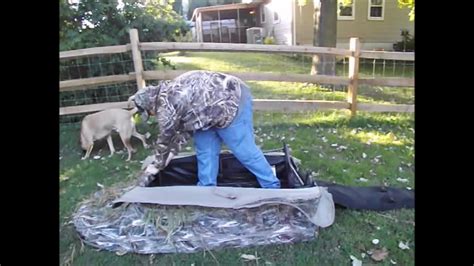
(101, 124)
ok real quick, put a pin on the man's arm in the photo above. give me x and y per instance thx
(171, 139)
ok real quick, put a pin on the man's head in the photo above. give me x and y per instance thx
(145, 100)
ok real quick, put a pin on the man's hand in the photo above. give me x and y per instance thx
(148, 175)
(151, 169)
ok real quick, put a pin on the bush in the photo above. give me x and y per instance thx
(269, 40)
(407, 44)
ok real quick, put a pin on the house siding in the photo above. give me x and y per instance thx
(381, 33)
(373, 34)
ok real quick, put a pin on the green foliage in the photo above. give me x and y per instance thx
(91, 23)
(269, 40)
(408, 4)
(407, 44)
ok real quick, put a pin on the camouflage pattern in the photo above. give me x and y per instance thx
(153, 228)
(195, 100)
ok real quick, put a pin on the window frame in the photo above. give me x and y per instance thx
(339, 17)
(369, 17)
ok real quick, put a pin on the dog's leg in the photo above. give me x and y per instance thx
(141, 137)
(88, 152)
(111, 145)
(127, 144)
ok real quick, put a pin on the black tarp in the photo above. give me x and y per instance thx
(183, 171)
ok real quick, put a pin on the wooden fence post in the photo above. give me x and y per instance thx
(137, 58)
(353, 75)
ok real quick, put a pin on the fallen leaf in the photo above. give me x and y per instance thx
(341, 148)
(121, 253)
(355, 261)
(403, 245)
(152, 257)
(379, 254)
(248, 257)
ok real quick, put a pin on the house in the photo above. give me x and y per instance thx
(377, 23)
(225, 23)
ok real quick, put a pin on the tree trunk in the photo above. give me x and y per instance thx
(325, 35)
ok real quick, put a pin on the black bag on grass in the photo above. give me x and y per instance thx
(183, 171)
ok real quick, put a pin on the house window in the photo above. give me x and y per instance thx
(276, 17)
(262, 14)
(376, 9)
(345, 10)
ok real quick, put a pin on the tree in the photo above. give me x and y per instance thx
(325, 35)
(408, 4)
(92, 23)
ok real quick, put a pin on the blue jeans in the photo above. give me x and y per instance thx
(239, 137)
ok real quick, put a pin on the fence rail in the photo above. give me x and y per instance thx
(94, 51)
(352, 81)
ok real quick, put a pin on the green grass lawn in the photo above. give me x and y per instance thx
(370, 149)
(253, 62)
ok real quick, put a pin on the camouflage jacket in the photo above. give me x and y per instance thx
(196, 100)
